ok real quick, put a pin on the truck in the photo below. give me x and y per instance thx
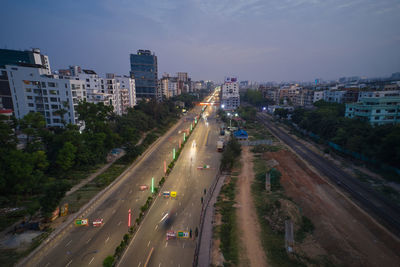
(220, 146)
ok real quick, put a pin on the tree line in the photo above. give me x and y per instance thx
(379, 142)
(38, 166)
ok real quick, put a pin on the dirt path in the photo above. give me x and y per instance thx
(248, 226)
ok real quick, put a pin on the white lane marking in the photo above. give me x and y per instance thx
(192, 204)
(47, 264)
(91, 260)
(163, 218)
(180, 203)
(166, 244)
(119, 223)
(130, 192)
(148, 244)
(69, 263)
(88, 240)
(107, 239)
(68, 243)
(113, 212)
(155, 228)
(167, 202)
(159, 264)
(190, 215)
(183, 245)
(139, 264)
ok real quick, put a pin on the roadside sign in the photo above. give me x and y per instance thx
(170, 235)
(183, 234)
(173, 193)
(166, 194)
(82, 222)
(98, 222)
(143, 187)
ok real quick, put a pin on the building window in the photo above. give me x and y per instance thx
(54, 106)
(376, 117)
(53, 92)
(51, 84)
(56, 120)
(53, 99)
(29, 97)
(30, 104)
(28, 90)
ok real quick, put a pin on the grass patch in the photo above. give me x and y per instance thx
(83, 195)
(272, 237)
(265, 148)
(228, 229)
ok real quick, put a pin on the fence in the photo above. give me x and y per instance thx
(206, 201)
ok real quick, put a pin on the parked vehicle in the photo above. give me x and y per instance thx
(220, 146)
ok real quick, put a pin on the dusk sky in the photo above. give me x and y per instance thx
(258, 40)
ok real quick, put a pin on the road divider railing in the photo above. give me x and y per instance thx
(112, 260)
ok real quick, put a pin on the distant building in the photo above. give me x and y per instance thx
(375, 110)
(334, 96)
(145, 71)
(230, 98)
(318, 95)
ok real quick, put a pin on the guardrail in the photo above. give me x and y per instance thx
(206, 201)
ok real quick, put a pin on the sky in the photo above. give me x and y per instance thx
(257, 40)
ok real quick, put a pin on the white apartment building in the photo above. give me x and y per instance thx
(378, 94)
(230, 98)
(168, 86)
(318, 95)
(335, 96)
(127, 83)
(34, 89)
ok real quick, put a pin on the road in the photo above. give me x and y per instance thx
(88, 246)
(374, 203)
(150, 245)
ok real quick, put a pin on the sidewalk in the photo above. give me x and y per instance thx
(205, 251)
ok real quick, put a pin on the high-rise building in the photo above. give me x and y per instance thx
(230, 98)
(18, 58)
(144, 69)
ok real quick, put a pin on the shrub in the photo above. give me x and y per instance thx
(109, 261)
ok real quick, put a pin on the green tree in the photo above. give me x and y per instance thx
(66, 156)
(32, 125)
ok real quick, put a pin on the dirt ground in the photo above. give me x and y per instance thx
(248, 226)
(343, 231)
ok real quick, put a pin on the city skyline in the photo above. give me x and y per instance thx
(255, 40)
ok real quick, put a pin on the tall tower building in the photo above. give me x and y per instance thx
(144, 69)
(32, 58)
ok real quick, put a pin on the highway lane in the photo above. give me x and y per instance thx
(89, 245)
(383, 210)
(189, 182)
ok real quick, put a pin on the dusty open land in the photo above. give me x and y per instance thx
(343, 232)
(252, 253)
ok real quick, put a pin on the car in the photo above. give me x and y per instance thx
(98, 222)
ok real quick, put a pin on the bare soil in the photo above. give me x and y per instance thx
(248, 226)
(346, 234)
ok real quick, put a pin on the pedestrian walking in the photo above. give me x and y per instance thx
(201, 200)
(196, 232)
(205, 191)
